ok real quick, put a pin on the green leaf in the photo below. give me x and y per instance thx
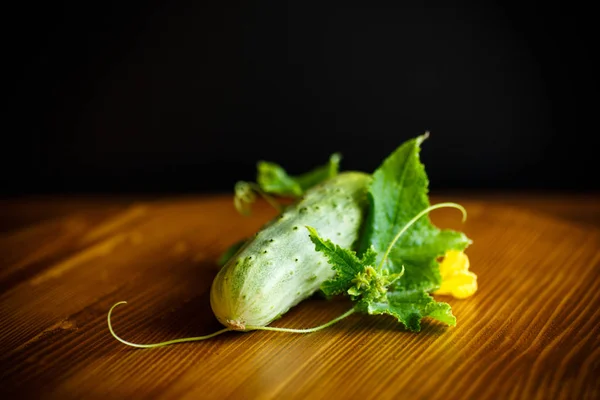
(418, 253)
(397, 193)
(410, 307)
(345, 262)
(272, 178)
(355, 277)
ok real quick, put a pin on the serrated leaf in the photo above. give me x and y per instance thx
(410, 307)
(420, 257)
(397, 193)
(345, 262)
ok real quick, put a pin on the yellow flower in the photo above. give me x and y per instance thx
(457, 280)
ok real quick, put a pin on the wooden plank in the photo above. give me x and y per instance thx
(531, 331)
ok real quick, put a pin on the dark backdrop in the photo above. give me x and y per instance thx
(181, 96)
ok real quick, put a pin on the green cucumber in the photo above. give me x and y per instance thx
(279, 267)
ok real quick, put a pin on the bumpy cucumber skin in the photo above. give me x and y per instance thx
(279, 267)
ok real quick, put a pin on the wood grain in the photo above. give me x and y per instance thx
(531, 331)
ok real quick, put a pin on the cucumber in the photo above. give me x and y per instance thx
(279, 267)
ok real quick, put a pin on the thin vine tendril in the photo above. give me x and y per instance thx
(198, 338)
(270, 199)
(160, 344)
(307, 330)
(245, 195)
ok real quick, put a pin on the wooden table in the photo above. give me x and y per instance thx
(531, 331)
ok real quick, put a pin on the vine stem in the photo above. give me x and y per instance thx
(415, 219)
(308, 330)
(265, 196)
(198, 338)
(160, 344)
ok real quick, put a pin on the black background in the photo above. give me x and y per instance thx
(186, 97)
